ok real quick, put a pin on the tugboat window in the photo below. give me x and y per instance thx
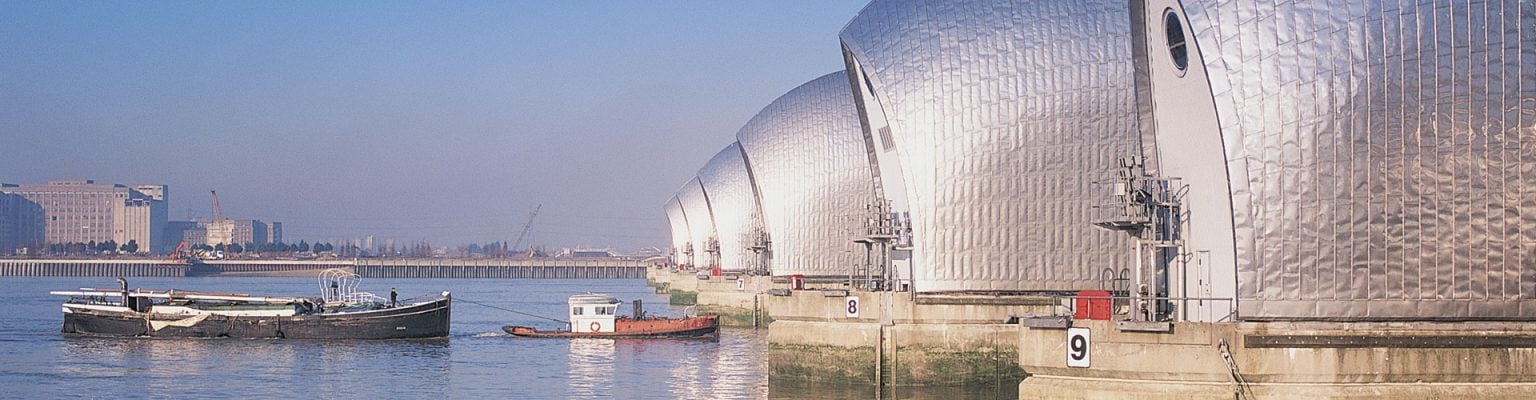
(1177, 47)
(575, 310)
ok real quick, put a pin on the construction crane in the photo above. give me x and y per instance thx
(220, 231)
(526, 226)
(218, 213)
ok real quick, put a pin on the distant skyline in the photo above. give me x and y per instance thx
(440, 122)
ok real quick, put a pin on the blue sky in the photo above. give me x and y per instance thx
(438, 121)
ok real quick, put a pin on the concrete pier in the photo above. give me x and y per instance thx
(893, 339)
(898, 339)
(1313, 360)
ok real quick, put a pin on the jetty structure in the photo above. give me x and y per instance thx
(538, 268)
(1140, 198)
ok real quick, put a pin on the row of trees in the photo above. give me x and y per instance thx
(301, 247)
(93, 247)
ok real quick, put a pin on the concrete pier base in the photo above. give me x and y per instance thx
(1279, 360)
(895, 340)
(1068, 388)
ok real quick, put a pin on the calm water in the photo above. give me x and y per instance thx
(477, 361)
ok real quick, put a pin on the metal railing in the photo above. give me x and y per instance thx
(1122, 308)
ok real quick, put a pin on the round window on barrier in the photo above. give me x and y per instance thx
(1178, 47)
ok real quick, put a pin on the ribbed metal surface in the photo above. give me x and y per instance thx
(679, 226)
(738, 223)
(807, 156)
(701, 221)
(1003, 114)
(1382, 154)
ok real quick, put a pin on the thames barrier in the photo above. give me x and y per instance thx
(1140, 199)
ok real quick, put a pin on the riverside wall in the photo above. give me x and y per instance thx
(367, 268)
(93, 268)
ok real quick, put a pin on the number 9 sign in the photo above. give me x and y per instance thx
(1078, 350)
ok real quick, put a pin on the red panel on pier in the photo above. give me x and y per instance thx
(1093, 304)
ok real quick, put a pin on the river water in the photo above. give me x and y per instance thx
(476, 361)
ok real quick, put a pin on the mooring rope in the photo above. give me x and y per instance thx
(1239, 384)
(457, 298)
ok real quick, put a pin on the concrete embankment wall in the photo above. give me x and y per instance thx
(432, 268)
(92, 268)
(1286, 361)
(266, 267)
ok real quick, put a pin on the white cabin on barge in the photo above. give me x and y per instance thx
(593, 312)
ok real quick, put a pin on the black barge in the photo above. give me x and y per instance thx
(340, 313)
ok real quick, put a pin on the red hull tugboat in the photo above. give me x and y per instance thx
(594, 316)
(340, 312)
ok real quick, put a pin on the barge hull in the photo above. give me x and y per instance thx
(700, 333)
(704, 327)
(426, 320)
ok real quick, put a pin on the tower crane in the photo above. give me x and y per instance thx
(221, 231)
(218, 213)
(526, 226)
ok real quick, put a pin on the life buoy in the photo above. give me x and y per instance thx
(596, 326)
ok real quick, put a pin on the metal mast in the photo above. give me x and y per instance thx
(526, 226)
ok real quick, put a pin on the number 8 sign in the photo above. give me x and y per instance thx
(1078, 350)
(852, 306)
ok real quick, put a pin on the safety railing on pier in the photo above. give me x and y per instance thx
(1151, 308)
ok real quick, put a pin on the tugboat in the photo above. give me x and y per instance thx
(341, 312)
(594, 316)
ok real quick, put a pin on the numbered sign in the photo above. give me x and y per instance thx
(1078, 347)
(852, 306)
(741, 284)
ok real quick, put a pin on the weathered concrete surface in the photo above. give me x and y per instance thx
(1188, 363)
(734, 298)
(896, 339)
(683, 298)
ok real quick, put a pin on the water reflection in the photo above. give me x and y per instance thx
(591, 366)
(791, 390)
(271, 368)
(39, 363)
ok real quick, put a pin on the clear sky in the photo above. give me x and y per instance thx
(439, 121)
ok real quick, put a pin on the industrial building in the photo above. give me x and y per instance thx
(82, 211)
(1351, 161)
(230, 231)
(21, 223)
